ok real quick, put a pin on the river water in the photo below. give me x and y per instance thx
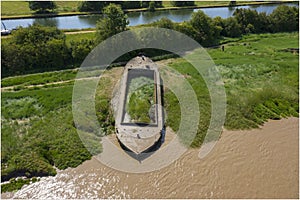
(135, 18)
(259, 163)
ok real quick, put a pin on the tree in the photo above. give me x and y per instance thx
(151, 7)
(36, 48)
(231, 28)
(251, 21)
(164, 23)
(205, 32)
(232, 3)
(81, 49)
(42, 6)
(129, 4)
(114, 21)
(183, 3)
(285, 18)
(90, 6)
(146, 4)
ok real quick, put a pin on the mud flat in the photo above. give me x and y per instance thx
(260, 163)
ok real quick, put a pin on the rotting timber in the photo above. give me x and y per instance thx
(139, 116)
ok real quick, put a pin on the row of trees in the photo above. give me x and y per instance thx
(40, 48)
(208, 31)
(97, 6)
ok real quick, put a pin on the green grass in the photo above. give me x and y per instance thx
(67, 6)
(199, 3)
(20, 8)
(103, 96)
(17, 184)
(38, 132)
(140, 98)
(41, 78)
(9, 8)
(79, 36)
(14, 8)
(261, 82)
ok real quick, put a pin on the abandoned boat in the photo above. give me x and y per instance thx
(139, 115)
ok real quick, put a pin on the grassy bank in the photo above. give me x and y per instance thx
(20, 9)
(261, 82)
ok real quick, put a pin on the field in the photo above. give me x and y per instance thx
(14, 8)
(20, 8)
(261, 81)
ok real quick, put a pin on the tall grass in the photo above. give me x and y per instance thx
(261, 83)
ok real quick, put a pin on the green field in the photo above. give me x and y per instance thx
(20, 8)
(261, 81)
(14, 8)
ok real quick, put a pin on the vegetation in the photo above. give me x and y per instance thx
(41, 6)
(258, 88)
(89, 6)
(260, 73)
(183, 3)
(37, 125)
(50, 43)
(41, 78)
(113, 22)
(140, 98)
(16, 184)
(38, 133)
(21, 8)
(34, 48)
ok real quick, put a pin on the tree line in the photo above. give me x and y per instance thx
(39, 48)
(97, 6)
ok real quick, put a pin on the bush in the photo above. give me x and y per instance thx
(34, 48)
(42, 6)
(92, 6)
(164, 23)
(151, 7)
(285, 18)
(183, 3)
(80, 50)
(113, 22)
(231, 28)
(204, 30)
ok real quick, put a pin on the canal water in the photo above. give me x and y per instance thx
(135, 18)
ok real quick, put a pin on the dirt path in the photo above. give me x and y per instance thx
(260, 163)
(10, 88)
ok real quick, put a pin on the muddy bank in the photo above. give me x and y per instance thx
(260, 163)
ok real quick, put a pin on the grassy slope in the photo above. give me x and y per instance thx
(261, 82)
(19, 8)
(77, 37)
(13, 8)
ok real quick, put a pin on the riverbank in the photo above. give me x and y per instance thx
(259, 87)
(258, 163)
(26, 16)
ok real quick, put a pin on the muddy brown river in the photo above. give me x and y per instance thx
(260, 163)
